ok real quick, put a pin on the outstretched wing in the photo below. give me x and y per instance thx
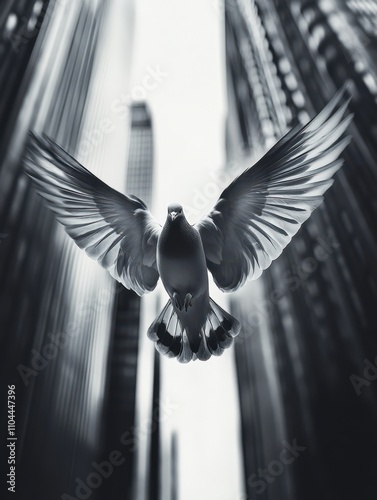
(116, 230)
(259, 212)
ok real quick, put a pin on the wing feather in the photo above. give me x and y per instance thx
(257, 215)
(116, 230)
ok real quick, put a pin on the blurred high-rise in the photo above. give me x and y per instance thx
(124, 351)
(310, 321)
(90, 387)
(69, 334)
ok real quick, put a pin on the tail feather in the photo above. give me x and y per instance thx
(166, 332)
(172, 340)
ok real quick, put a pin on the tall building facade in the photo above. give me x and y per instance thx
(309, 323)
(69, 334)
(125, 350)
(41, 307)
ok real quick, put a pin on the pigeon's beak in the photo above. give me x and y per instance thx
(173, 215)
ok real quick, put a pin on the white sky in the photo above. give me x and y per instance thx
(185, 40)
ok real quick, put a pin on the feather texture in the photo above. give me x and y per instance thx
(259, 212)
(172, 339)
(116, 230)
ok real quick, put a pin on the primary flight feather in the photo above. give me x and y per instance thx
(250, 225)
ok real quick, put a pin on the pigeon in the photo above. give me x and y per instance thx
(252, 222)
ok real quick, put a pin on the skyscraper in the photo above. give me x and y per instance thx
(124, 351)
(56, 308)
(308, 323)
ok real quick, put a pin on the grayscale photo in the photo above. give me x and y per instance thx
(188, 249)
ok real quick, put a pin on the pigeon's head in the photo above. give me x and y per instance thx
(175, 211)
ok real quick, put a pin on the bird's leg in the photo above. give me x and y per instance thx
(177, 302)
(188, 301)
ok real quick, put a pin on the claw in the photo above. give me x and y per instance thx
(177, 302)
(188, 301)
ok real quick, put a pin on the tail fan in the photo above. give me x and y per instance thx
(169, 336)
(172, 339)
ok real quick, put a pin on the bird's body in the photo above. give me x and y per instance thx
(182, 266)
(252, 222)
(181, 261)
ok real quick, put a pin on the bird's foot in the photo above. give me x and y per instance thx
(188, 301)
(177, 302)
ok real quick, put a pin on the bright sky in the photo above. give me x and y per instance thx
(184, 40)
(183, 43)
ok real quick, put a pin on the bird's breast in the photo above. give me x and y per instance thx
(178, 241)
(180, 258)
